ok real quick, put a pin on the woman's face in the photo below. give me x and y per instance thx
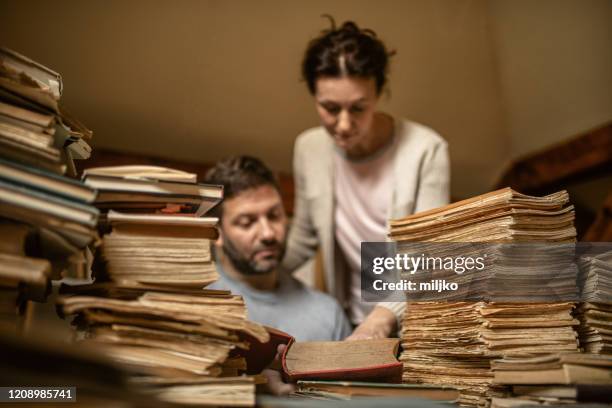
(346, 106)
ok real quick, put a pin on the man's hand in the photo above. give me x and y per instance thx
(275, 385)
(379, 324)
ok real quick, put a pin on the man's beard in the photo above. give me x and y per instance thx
(250, 266)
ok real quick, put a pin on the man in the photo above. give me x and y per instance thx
(253, 234)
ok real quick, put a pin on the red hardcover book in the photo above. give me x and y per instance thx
(261, 355)
(364, 360)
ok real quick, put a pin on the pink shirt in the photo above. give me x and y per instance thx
(363, 191)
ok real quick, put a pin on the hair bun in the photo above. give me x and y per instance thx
(349, 26)
(345, 50)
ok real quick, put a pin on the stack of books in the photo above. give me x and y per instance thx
(151, 189)
(554, 379)
(176, 342)
(159, 249)
(47, 220)
(35, 129)
(452, 342)
(153, 231)
(149, 309)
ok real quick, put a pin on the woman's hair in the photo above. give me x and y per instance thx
(346, 51)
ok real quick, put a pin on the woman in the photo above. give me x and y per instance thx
(359, 169)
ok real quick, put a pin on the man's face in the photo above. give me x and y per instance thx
(253, 230)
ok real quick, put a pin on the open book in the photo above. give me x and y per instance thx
(373, 360)
(363, 360)
(366, 360)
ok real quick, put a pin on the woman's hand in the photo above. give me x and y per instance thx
(379, 324)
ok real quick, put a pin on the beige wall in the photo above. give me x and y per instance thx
(204, 79)
(555, 68)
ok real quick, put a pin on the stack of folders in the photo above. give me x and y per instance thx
(47, 220)
(450, 341)
(149, 308)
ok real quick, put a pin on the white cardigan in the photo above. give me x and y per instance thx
(422, 174)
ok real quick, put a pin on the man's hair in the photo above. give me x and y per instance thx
(346, 51)
(238, 174)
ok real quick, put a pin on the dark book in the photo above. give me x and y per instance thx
(51, 204)
(46, 181)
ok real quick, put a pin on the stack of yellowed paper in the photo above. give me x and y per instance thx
(499, 216)
(595, 327)
(451, 341)
(595, 314)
